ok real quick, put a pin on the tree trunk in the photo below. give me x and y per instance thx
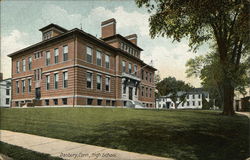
(228, 98)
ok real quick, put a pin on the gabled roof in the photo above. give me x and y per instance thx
(52, 25)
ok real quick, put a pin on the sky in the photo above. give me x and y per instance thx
(21, 21)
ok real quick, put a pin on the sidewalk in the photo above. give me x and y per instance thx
(244, 113)
(69, 150)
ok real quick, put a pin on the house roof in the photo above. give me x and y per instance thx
(55, 26)
(85, 34)
(124, 39)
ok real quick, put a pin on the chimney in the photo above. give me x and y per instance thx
(132, 38)
(108, 28)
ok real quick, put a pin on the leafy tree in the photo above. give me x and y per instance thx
(225, 23)
(208, 69)
(170, 86)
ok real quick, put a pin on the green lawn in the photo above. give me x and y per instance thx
(19, 153)
(182, 135)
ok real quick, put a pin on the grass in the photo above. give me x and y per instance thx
(193, 135)
(19, 153)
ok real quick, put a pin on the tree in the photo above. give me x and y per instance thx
(208, 69)
(174, 88)
(225, 23)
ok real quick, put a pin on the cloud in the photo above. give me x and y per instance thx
(9, 44)
(168, 58)
(125, 20)
(171, 61)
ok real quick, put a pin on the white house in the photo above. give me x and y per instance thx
(193, 100)
(5, 92)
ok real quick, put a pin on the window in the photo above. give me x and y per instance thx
(199, 103)
(24, 65)
(7, 101)
(146, 92)
(129, 68)
(107, 102)
(187, 103)
(17, 67)
(17, 103)
(150, 77)
(150, 92)
(99, 82)
(107, 83)
(89, 101)
(55, 101)
(123, 66)
(47, 58)
(35, 77)
(146, 76)
(65, 53)
(56, 54)
(89, 79)
(193, 103)
(65, 79)
(107, 61)
(7, 91)
(46, 102)
(142, 91)
(122, 45)
(30, 63)
(17, 87)
(56, 81)
(98, 58)
(199, 96)
(47, 82)
(142, 74)
(65, 101)
(99, 102)
(29, 85)
(89, 54)
(124, 89)
(113, 103)
(193, 96)
(135, 70)
(23, 86)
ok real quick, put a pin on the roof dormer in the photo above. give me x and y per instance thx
(52, 30)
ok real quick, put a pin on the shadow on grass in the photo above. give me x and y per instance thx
(194, 142)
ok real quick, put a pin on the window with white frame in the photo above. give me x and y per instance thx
(142, 91)
(99, 82)
(29, 85)
(129, 68)
(30, 63)
(123, 66)
(98, 58)
(107, 83)
(23, 86)
(17, 86)
(17, 67)
(89, 79)
(47, 82)
(56, 78)
(65, 79)
(135, 70)
(56, 55)
(107, 61)
(65, 53)
(89, 54)
(47, 58)
(24, 65)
